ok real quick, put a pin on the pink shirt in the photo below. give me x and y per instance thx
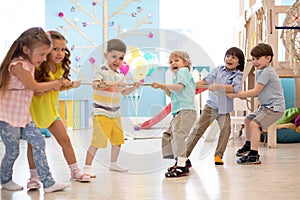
(14, 106)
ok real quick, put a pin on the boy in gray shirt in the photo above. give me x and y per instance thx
(272, 105)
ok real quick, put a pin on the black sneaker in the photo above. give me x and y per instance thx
(249, 160)
(243, 151)
(188, 164)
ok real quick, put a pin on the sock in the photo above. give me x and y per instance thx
(87, 167)
(33, 173)
(253, 152)
(248, 143)
(181, 161)
(113, 164)
(73, 167)
(115, 167)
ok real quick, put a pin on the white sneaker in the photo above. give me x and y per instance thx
(56, 187)
(118, 168)
(88, 171)
(33, 183)
(12, 186)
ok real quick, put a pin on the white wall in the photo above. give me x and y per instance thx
(17, 16)
(209, 23)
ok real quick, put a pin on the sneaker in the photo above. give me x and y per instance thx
(33, 183)
(177, 172)
(88, 171)
(77, 175)
(249, 160)
(187, 164)
(218, 160)
(118, 168)
(12, 186)
(56, 187)
(243, 151)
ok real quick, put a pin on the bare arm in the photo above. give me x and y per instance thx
(129, 90)
(249, 93)
(69, 85)
(27, 78)
(163, 87)
(168, 87)
(201, 84)
(221, 87)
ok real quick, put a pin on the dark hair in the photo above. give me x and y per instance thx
(43, 74)
(234, 51)
(116, 45)
(262, 49)
(31, 38)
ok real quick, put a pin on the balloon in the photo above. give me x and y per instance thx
(124, 68)
(150, 71)
(140, 66)
(133, 52)
(152, 61)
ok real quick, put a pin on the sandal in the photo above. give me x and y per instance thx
(77, 175)
(187, 164)
(177, 172)
(33, 183)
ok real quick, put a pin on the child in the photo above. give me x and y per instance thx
(56, 67)
(221, 80)
(106, 118)
(182, 93)
(17, 86)
(272, 105)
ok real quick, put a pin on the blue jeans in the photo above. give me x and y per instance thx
(11, 138)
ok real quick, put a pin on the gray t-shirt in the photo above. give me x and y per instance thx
(272, 93)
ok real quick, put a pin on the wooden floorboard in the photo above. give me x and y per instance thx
(276, 178)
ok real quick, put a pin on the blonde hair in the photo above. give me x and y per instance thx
(184, 56)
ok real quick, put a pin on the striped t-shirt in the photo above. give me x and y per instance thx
(107, 101)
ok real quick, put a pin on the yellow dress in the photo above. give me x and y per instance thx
(44, 109)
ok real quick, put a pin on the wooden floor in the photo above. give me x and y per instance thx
(278, 177)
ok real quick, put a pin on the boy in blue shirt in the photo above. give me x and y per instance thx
(222, 80)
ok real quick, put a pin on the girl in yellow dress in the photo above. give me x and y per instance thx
(44, 109)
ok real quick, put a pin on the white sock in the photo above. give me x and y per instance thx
(57, 187)
(12, 186)
(33, 173)
(73, 167)
(181, 161)
(87, 167)
(115, 167)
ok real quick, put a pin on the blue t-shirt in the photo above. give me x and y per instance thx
(185, 99)
(272, 93)
(218, 100)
